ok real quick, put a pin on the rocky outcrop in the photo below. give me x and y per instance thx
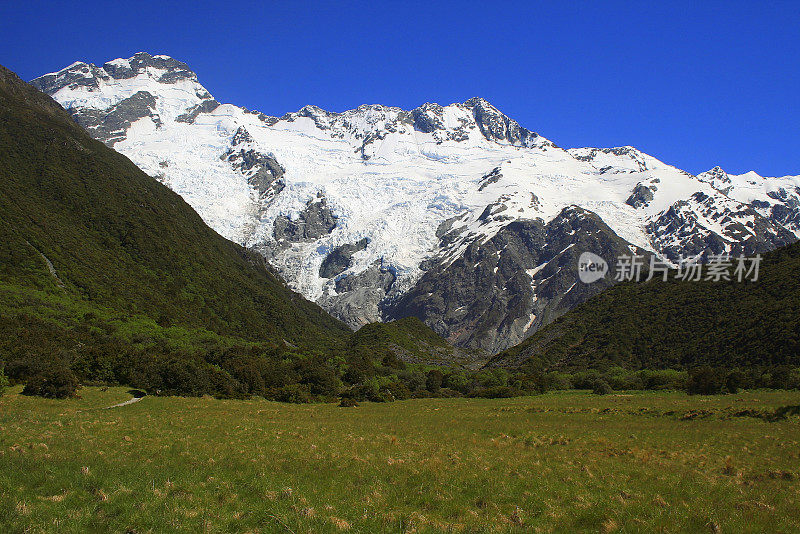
(111, 126)
(641, 195)
(340, 258)
(500, 290)
(718, 178)
(628, 159)
(706, 225)
(786, 212)
(174, 70)
(496, 126)
(263, 171)
(206, 106)
(358, 296)
(488, 179)
(315, 221)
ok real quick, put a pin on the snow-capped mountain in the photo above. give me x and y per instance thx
(456, 214)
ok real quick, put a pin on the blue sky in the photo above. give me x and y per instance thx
(693, 83)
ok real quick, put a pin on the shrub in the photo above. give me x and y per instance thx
(734, 381)
(496, 392)
(663, 379)
(395, 391)
(783, 377)
(296, 393)
(3, 382)
(54, 382)
(391, 361)
(433, 380)
(585, 379)
(491, 378)
(318, 376)
(704, 381)
(414, 380)
(601, 387)
(458, 381)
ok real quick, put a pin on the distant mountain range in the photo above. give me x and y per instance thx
(454, 214)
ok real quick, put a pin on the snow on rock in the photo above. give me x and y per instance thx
(403, 180)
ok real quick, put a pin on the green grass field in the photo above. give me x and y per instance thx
(564, 462)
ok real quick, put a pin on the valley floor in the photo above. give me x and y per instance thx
(639, 462)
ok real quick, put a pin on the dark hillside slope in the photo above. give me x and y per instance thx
(117, 238)
(677, 324)
(411, 341)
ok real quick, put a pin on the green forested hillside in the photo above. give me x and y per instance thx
(677, 324)
(108, 272)
(118, 238)
(107, 276)
(411, 341)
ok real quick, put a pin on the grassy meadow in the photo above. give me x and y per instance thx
(563, 462)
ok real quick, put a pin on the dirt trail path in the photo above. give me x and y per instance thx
(126, 403)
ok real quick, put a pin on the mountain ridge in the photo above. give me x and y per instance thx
(421, 186)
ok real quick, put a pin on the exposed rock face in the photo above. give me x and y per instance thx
(626, 158)
(496, 126)
(641, 196)
(786, 212)
(206, 106)
(682, 230)
(174, 70)
(341, 258)
(488, 179)
(717, 178)
(500, 290)
(315, 221)
(112, 125)
(262, 170)
(358, 296)
(428, 118)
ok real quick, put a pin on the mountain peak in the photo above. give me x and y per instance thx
(174, 70)
(718, 179)
(161, 68)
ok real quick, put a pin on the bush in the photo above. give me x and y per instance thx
(3, 382)
(433, 380)
(295, 393)
(457, 381)
(663, 379)
(734, 381)
(783, 377)
(318, 376)
(54, 382)
(704, 381)
(395, 391)
(415, 380)
(496, 392)
(601, 387)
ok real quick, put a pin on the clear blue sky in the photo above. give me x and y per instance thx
(693, 83)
